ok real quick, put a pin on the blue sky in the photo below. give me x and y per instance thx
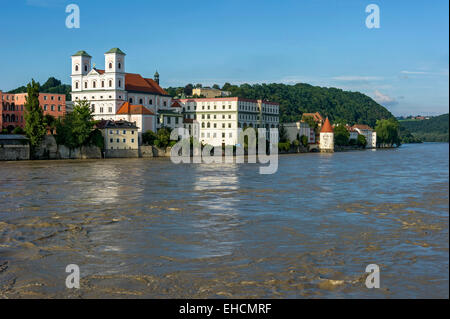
(404, 65)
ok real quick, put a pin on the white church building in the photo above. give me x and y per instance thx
(114, 94)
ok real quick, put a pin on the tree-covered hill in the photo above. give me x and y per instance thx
(434, 129)
(51, 86)
(338, 105)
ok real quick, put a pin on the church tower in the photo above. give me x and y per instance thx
(156, 77)
(81, 66)
(327, 137)
(115, 61)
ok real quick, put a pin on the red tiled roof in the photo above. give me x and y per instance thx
(99, 71)
(316, 116)
(362, 127)
(326, 127)
(127, 108)
(176, 104)
(188, 120)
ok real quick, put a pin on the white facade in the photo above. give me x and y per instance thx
(326, 142)
(369, 134)
(108, 89)
(298, 129)
(220, 119)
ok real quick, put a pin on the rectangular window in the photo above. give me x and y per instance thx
(124, 132)
(132, 140)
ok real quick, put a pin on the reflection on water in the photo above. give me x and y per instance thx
(149, 228)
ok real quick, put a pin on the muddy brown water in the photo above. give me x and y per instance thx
(147, 228)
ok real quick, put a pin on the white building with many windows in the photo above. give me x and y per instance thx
(108, 89)
(219, 119)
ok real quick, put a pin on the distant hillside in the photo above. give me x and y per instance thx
(351, 107)
(51, 86)
(433, 130)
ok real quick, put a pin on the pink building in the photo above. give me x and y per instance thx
(12, 107)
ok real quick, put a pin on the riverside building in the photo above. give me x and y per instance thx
(218, 120)
(13, 107)
(108, 89)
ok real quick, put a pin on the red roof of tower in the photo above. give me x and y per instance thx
(326, 127)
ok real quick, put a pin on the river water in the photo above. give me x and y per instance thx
(147, 228)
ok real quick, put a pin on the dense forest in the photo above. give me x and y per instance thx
(338, 105)
(434, 129)
(51, 86)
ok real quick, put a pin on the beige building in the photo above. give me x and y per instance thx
(297, 129)
(217, 121)
(121, 138)
(209, 92)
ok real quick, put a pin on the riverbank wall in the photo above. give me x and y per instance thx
(49, 149)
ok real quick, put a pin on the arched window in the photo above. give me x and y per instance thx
(120, 83)
(131, 100)
(76, 85)
(103, 84)
(76, 68)
(119, 65)
(85, 85)
(141, 101)
(13, 118)
(85, 67)
(110, 65)
(93, 107)
(208, 125)
(94, 84)
(203, 125)
(110, 83)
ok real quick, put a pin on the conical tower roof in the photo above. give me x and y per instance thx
(326, 127)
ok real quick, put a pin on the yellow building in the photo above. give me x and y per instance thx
(209, 92)
(121, 138)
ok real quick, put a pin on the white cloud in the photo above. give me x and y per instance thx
(384, 99)
(413, 72)
(357, 78)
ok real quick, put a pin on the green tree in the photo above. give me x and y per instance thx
(361, 140)
(18, 130)
(75, 129)
(162, 137)
(283, 134)
(341, 135)
(304, 139)
(388, 131)
(149, 137)
(35, 127)
(50, 122)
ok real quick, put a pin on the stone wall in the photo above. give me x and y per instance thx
(146, 151)
(14, 152)
(122, 153)
(50, 150)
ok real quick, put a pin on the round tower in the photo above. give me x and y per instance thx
(327, 137)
